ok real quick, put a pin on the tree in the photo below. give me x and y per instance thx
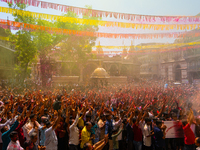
(32, 45)
(74, 48)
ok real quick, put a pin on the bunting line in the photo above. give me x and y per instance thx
(100, 13)
(99, 22)
(139, 47)
(18, 25)
(145, 51)
(142, 52)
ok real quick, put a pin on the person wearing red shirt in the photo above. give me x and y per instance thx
(137, 139)
(19, 129)
(137, 132)
(189, 137)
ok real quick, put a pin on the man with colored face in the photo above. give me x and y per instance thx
(32, 143)
(14, 143)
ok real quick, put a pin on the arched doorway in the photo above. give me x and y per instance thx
(88, 70)
(113, 70)
(124, 71)
(178, 73)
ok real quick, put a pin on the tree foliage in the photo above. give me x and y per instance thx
(33, 45)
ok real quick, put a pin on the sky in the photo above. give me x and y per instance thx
(142, 7)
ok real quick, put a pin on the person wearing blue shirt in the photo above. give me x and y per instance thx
(94, 133)
(6, 134)
(159, 132)
(108, 130)
(42, 135)
(129, 130)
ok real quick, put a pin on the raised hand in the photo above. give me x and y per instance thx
(59, 113)
(78, 111)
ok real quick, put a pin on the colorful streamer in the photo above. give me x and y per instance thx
(99, 13)
(139, 52)
(18, 25)
(139, 47)
(99, 22)
(144, 52)
(4, 38)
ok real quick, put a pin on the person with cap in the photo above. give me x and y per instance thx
(14, 143)
(159, 133)
(86, 134)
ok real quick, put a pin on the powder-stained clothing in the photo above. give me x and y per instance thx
(115, 141)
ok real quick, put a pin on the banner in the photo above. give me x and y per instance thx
(18, 25)
(174, 129)
(99, 13)
(100, 22)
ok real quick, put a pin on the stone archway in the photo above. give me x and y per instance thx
(178, 73)
(88, 70)
(124, 71)
(114, 70)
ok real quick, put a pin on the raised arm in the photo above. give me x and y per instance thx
(13, 127)
(118, 123)
(117, 133)
(76, 120)
(57, 120)
(131, 118)
(100, 145)
(161, 111)
(190, 117)
(67, 116)
(84, 112)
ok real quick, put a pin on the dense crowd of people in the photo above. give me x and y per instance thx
(117, 117)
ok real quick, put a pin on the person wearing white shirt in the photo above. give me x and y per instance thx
(101, 125)
(29, 127)
(116, 122)
(51, 140)
(14, 143)
(74, 133)
(147, 133)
